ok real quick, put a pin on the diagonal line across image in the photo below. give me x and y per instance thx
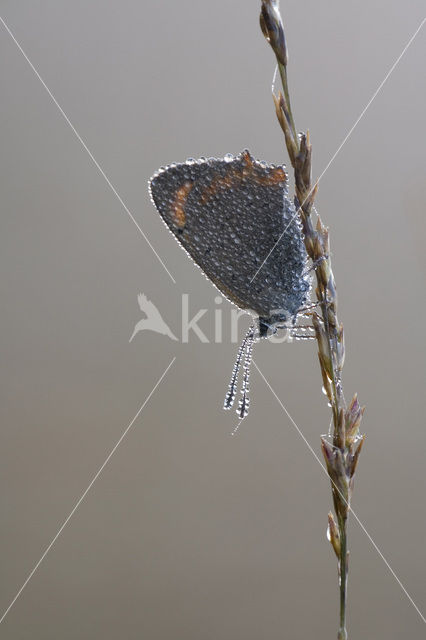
(345, 139)
(350, 508)
(101, 171)
(89, 153)
(86, 491)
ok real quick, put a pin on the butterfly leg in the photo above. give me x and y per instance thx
(314, 265)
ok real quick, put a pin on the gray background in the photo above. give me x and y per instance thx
(190, 533)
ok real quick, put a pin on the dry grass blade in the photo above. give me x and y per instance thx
(341, 453)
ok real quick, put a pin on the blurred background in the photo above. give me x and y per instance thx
(189, 532)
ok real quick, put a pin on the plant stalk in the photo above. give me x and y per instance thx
(343, 579)
(342, 453)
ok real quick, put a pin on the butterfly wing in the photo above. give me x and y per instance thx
(228, 215)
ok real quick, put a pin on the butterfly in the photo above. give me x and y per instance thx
(235, 220)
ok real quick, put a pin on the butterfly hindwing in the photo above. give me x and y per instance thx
(229, 214)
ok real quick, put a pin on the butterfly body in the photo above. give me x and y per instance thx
(235, 220)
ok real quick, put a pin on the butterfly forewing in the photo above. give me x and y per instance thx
(229, 215)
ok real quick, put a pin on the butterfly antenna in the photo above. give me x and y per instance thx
(243, 405)
(232, 387)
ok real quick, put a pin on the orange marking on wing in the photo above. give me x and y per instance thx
(276, 176)
(236, 175)
(178, 208)
(217, 184)
(247, 159)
